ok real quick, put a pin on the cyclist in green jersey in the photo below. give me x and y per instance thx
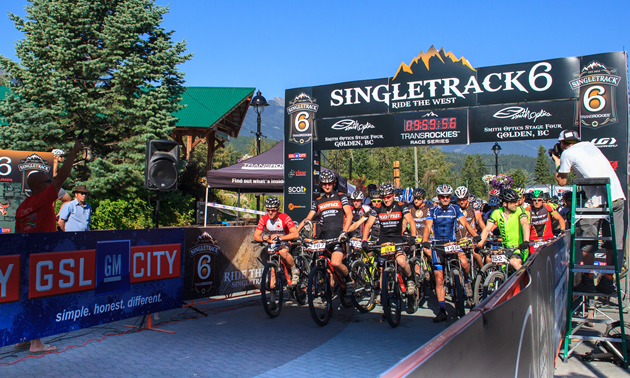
(513, 224)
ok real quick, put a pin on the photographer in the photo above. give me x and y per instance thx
(588, 161)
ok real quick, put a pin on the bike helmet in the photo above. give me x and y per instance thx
(509, 195)
(453, 199)
(546, 196)
(494, 201)
(356, 195)
(520, 192)
(476, 205)
(375, 194)
(567, 195)
(495, 193)
(272, 202)
(371, 187)
(472, 198)
(419, 193)
(461, 192)
(387, 189)
(434, 200)
(538, 194)
(326, 177)
(444, 190)
(408, 195)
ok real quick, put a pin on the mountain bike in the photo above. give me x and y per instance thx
(500, 258)
(453, 275)
(393, 286)
(366, 274)
(275, 277)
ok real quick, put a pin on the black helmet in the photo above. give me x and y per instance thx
(272, 202)
(326, 177)
(538, 194)
(375, 194)
(567, 195)
(509, 195)
(387, 189)
(419, 193)
(371, 187)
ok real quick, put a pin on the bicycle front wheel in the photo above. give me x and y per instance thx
(319, 296)
(494, 281)
(271, 291)
(363, 297)
(299, 290)
(392, 302)
(459, 293)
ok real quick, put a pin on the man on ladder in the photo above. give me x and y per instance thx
(588, 161)
(604, 201)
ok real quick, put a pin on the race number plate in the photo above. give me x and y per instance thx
(452, 248)
(499, 259)
(388, 250)
(356, 243)
(316, 246)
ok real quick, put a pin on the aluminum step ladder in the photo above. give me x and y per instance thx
(575, 323)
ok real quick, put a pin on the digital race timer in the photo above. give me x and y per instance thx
(424, 124)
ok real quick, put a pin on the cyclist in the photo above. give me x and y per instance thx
(442, 220)
(513, 225)
(390, 216)
(493, 204)
(473, 217)
(418, 209)
(359, 214)
(336, 218)
(541, 215)
(277, 226)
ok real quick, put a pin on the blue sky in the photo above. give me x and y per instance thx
(276, 45)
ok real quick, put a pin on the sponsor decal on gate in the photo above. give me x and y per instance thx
(604, 142)
(302, 114)
(597, 84)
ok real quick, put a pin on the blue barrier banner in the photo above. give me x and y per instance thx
(58, 282)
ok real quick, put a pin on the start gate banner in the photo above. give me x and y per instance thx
(58, 282)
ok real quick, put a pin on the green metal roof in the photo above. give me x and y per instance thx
(205, 106)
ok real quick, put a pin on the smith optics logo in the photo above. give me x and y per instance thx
(597, 85)
(296, 190)
(302, 111)
(297, 156)
(604, 142)
(352, 124)
(293, 173)
(517, 112)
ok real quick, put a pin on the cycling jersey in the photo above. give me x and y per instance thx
(331, 214)
(444, 222)
(391, 222)
(357, 214)
(540, 222)
(470, 214)
(510, 228)
(419, 216)
(279, 226)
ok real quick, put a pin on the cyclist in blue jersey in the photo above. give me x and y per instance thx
(443, 219)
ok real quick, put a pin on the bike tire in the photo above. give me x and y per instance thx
(415, 301)
(346, 300)
(364, 296)
(391, 298)
(319, 296)
(271, 307)
(494, 281)
(459, 297)
(300, 287)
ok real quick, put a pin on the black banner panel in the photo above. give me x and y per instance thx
(354, 97)
(355, 132)
(529, 121)
(534, 81)
(435, 127)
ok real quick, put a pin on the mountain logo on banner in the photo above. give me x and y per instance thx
(597, 84)
(34, 162)
(431, 61)
(302, 111)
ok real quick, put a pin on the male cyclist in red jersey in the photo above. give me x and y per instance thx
(390, 216)
(336, 218)
(540, 216)
(276, 226)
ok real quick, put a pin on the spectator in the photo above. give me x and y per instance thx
(37, 214)
(76, 215)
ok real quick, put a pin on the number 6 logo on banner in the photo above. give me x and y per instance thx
(5, 165)
(591, 98)
(203, 268)
(301, 121)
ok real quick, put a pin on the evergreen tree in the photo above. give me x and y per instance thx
(469, 173)
(542, 174)
(103, 66)
(519, 178)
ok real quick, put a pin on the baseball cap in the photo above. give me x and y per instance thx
(569, 136)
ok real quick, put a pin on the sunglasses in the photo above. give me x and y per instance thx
(377, 200)
(537, 200)
(444, 197)
(389, 196)
(327, 183)
(271, 210)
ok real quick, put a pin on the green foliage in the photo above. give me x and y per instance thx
(121, 215)
(542, 171)
(103, 66)
(519, 178)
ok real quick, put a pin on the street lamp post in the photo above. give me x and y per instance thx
(496, 148)
(258, 103)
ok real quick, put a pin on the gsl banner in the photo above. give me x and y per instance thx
(57, 282)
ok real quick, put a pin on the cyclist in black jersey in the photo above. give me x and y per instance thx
(359, 214)
(390, 216)
(336, 218)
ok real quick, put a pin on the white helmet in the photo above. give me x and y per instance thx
(461, 192)
(444, 190)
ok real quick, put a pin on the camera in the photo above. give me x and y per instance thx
(555, 150)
